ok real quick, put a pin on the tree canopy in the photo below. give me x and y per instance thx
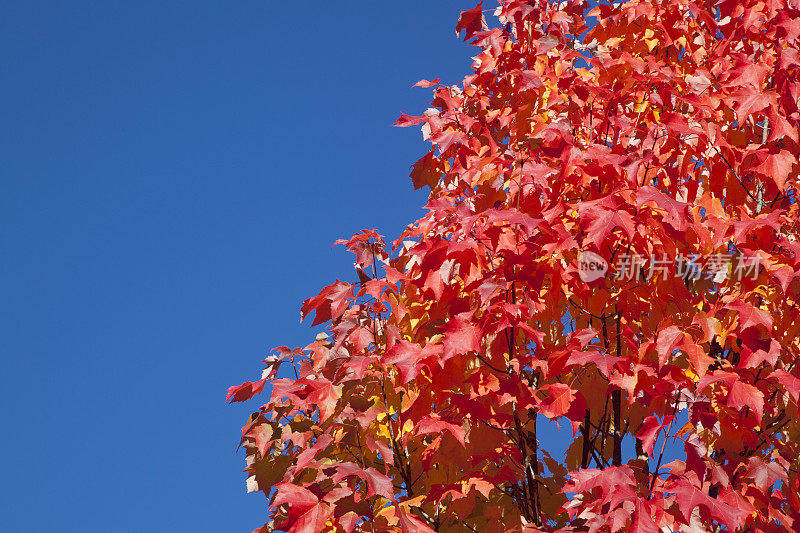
(610, 244)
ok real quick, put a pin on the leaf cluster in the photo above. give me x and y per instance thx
(666, 130)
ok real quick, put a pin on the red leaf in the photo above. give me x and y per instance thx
(677, 212)
(779, 126)
(650, 430)
(264, 436)
(461, 336)
(406, 356)
(411, 524)
(348, 521)
(426, 172)
(766, 350)
(614, 485)
(764, 474)
(471, 21)
(698, 83)
(407, 120)
(750, 316)
(329, 303)
(642, 521)
(425, 83)
(308, 455)
(582, 336)
(558, 399)
(745, 224)
(603, 361)
(245, 391)
(749, 101)
(377, 483)
(523, 221)
(677, 123)
(601, 217)
(377, 445)
(741, 395)
(789, 382)
(667, 341)
(447, 138)
(434, 424)
(546, 43)
(689, 498)
(305, 512)
(776, 165)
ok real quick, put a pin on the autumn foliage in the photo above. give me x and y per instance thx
(661, 131)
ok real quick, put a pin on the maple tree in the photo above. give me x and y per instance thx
(658, 130)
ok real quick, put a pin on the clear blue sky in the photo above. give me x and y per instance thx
(174, 174)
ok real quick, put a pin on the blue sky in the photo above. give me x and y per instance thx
(174, 174)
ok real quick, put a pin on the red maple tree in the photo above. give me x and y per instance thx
(610, 244)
